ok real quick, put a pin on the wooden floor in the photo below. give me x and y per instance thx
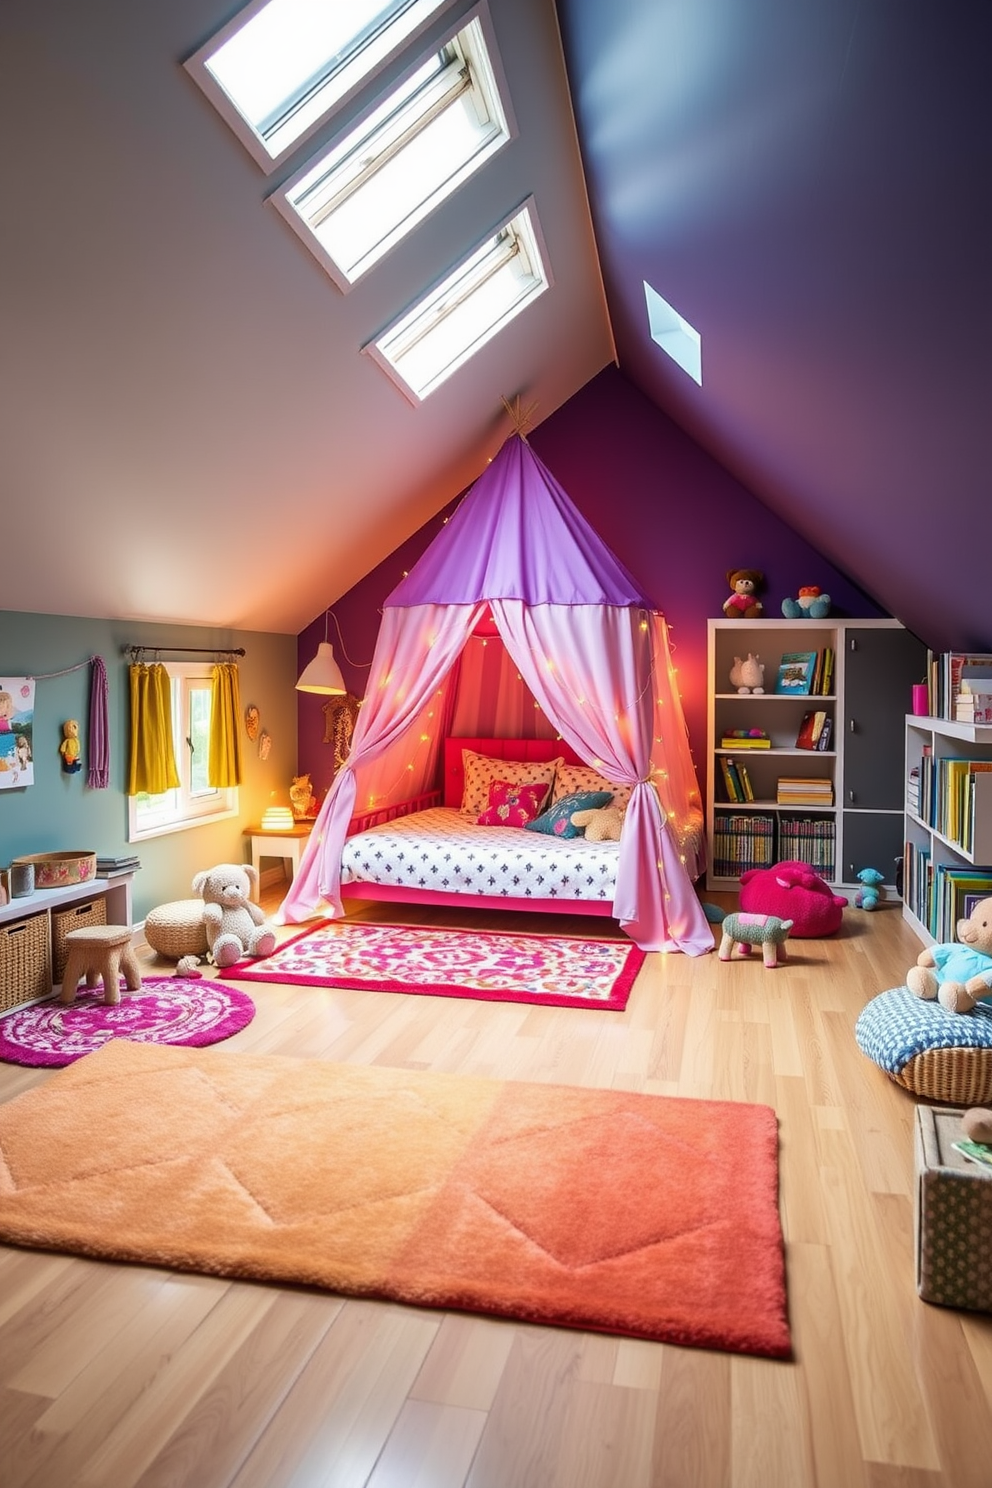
(113, 1376)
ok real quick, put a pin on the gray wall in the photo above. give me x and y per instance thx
(61, 813)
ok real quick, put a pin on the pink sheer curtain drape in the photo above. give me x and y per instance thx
(414, 654)
(593, 670)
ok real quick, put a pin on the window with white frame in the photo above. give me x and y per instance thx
(277, 69)
(194, 801)
(422, 141)
(456, 319)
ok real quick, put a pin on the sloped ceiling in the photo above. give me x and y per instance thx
(189, 432)
(810, 186)
(188, 428)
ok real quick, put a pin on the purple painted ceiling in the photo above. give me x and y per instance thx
(810, 186)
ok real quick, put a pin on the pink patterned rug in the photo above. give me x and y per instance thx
(167, 1010)
(494, 966)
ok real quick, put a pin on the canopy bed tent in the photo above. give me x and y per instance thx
(518, 557)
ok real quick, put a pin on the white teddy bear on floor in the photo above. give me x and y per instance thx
(235, 924)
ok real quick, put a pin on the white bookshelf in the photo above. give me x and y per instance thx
(926, 842)
(862, 765)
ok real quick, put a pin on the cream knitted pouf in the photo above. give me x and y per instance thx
(177, 929)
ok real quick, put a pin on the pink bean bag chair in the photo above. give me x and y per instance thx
(793, 891)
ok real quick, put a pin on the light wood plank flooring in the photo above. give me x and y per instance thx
(126, 1377)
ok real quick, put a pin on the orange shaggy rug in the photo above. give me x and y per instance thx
(599, 1209)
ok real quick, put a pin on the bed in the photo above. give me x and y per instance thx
(431, 851)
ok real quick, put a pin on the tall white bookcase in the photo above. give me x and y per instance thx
(935, 842)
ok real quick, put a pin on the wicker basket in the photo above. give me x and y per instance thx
(64, 920)
(25, 961)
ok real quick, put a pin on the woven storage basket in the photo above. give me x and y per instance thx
(64, 920)
(177, 929)
(25, 961)
(962, 1076)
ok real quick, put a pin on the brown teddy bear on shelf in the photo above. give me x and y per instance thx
(957, 974)
(601, 825)
(744, 603)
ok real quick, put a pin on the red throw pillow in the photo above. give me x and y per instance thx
(512, 805)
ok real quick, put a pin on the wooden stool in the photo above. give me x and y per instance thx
(100, 951)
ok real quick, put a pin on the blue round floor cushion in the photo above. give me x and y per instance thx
(940, 1055)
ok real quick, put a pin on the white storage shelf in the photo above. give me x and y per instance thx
(861, 815)
(927, 845)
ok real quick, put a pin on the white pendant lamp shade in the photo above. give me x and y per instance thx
(323, 674)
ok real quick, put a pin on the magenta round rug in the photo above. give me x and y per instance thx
(167, 1010)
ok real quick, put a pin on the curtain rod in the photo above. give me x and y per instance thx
(134, 651)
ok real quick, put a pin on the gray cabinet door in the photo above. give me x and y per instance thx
(880, 667)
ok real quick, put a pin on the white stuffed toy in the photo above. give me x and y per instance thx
(234, 923)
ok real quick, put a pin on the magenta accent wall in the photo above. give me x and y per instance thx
(670, 512)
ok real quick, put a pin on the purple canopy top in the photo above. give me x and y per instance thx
(517, 535)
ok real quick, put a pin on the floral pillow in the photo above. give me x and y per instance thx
(480, 771)
(512, 805)
(572, 778)
(557, 822)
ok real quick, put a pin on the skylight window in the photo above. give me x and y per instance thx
(681, 341)
(456, 319)
(275, 75)
(422, 141)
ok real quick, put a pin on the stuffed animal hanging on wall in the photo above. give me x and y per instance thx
(69, 748)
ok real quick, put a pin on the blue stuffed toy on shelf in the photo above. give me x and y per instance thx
(812, 604)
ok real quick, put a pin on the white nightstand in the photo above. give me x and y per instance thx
(283, 844)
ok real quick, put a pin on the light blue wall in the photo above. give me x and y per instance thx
(61, 813)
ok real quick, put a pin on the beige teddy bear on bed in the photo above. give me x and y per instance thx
(602, 824)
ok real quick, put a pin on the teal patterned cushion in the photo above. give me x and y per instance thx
(897, 1026)
(557, 820)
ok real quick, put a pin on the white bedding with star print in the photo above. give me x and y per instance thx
(445, 850)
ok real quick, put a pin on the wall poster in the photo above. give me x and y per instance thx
(16, 732)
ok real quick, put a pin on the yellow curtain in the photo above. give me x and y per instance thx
(152, 764)
(224, 765)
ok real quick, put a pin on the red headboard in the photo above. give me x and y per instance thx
(508, 749)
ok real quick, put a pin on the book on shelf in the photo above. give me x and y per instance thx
(826, 735)
(800, 791)
(809, 839)
(731, 780)
(974, 707)
(745, 779)
(823, 672)
(107, 867)
(795, 672)
(745, 741)
(742, 841)
(810, 729)
(946, 674)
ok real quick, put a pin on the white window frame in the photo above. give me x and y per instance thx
(524, 241)
(334, 89)
(182, 808)
(336, 176)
